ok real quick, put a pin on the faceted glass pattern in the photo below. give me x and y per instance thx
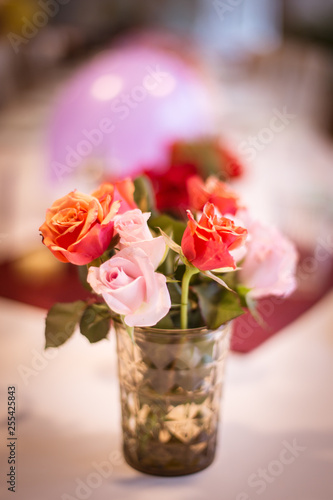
(170, 385)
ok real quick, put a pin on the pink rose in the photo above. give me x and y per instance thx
(132, 227)
(133, 230)
(270, 263)
(131, 287)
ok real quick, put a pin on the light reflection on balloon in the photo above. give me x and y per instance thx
(106, 87)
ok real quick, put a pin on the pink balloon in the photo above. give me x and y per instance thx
(125, 107)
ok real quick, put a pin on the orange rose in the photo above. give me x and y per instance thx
(122, 191)
(212, 191)
(79, 227)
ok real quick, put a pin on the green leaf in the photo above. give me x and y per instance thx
(171, 244)
(243, 295)
(251, 304)
(195, 319)
(171, 280)
(177, 249)
(217, 305)
(175, 292)
(113, 243)
(61, 321)
(95, 322)
(83, 273)
(173, 231)
(144, 194)
(165, 323)
(169, 226)
(224, 270)
(218, 280)
(230, 278)
(129, 329)
(203, 154)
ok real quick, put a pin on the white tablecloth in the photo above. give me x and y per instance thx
(276, 439)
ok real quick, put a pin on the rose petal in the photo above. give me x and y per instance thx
(132, 226)
(74, 229)
(155, 309)
(207, 243)
(212, 255)
(270, 263)
(154, 249)
(141, 295)
(126, 299)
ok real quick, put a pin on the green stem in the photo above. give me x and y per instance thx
(129, 329)
(190, 271)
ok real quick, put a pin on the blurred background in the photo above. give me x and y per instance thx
(266, 68)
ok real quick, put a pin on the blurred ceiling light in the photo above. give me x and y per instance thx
(106, 87)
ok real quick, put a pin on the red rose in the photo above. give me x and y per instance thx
(170, 186)
(230, 165)
(213, 191)
(207, 243)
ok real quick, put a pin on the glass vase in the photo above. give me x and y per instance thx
(170, 387)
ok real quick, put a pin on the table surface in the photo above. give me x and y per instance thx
(276, 437)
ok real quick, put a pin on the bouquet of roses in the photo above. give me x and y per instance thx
(163, 264)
